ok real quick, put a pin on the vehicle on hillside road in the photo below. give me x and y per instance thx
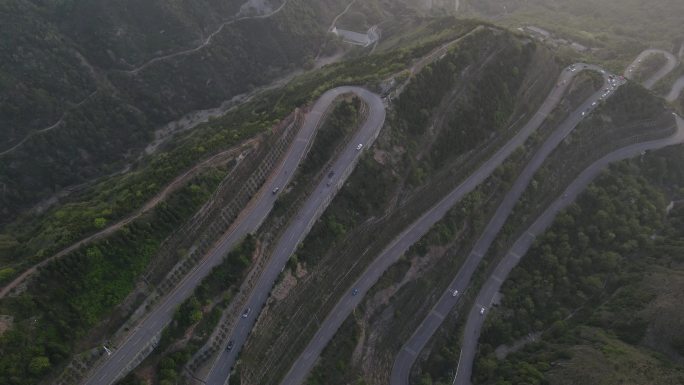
(246, 312)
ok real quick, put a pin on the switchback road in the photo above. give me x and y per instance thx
(676, 90)
(650, 82)
(409, 352)
(296, 231)
(124, 356)
(417, 230)
(523, 244)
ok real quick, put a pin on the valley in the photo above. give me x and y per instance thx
(359, 192)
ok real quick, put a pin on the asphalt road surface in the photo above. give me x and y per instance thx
(416, 230)
(523, 244)
(650, 82)
(122, 357)
(406, 357)
(676, 90)
(299, 227)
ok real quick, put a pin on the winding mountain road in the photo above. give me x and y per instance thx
(664, 70)
(522, 245)
(297, 230)
(124, 356)
(676, 90)
(409, 352)
(419, 228)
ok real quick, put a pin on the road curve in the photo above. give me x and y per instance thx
(523, 244)
(409, 352)
(676, 90)
(414, 232)
(298, 228)
(120, 361)
(650, 82)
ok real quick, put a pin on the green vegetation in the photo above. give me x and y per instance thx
(341, 121)
(431, 263)
(591, 269)
(391, 188)
(113, 198)
(73, 294)
(30, 239)
(480, 116)
(619, 29)
(394, 306)
(333, 369)
(196, 317)
(632, 111)
(397, 303)
(648, 66)
(64, 311)
(215, 291)
(68, 49)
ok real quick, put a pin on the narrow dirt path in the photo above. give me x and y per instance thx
(206, 41)
(154, 201)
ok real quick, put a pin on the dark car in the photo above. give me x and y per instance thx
(230, 345)
(355, 291)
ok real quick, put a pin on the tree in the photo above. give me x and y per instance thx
(39, 365)
(99, 222)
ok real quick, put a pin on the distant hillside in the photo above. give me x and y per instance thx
(72, 108)
(618, 29)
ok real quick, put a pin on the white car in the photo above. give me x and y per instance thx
(246, 312)
(583, 113)
(359, 146)
(482, 310)
(454, 293)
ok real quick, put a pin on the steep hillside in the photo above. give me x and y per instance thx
(611, 303)
(81, 298)
(580, 261)
(615, 30)
(74, 109)
(438, 130)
